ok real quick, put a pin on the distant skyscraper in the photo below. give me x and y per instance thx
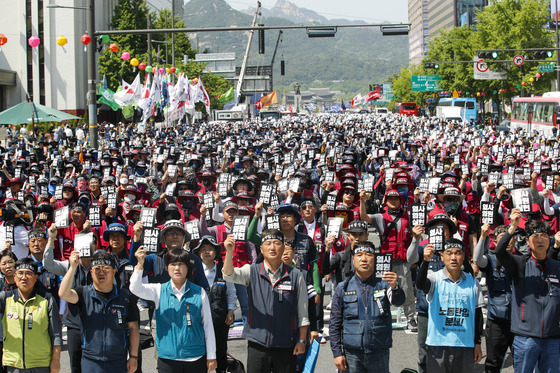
(428, 17)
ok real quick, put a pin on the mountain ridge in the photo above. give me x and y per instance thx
(348, 62)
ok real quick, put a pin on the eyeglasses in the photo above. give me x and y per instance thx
(23, 273)
(101, 269)
(451, 199)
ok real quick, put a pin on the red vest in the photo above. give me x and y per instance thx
(398, 239)
(318, 239)
(463, 230)
(240, 254)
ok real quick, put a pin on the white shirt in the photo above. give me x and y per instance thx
(79, 133)
(20, 249)
(310, 229)
(152, 292)
(230, 292)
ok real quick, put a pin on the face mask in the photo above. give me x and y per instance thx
(140, 172)
(188, 203)
(129, 198)
(451, 208)
(124, 181)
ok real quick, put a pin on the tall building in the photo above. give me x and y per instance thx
(429, 17)
(418, 35)
(50, 74)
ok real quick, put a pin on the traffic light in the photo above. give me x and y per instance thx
(486, 55)
(261, 41)
(543, 54)
(430, 65)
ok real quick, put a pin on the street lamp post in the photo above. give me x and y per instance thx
(91, 69)
(91, 75)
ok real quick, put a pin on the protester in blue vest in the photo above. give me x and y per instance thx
(535, 302)
(184, 331)
(498, 324)
(277, 328)
(360, 327)
(106, 314)
(455, 319)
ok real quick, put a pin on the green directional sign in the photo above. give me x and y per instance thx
(422, 83)
(547, 68)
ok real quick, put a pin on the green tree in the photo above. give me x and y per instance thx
(127, 15)
(516, 25)
(133, 14)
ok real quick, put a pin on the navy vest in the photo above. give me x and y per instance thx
(218, 297)
(366, 327)
(498, 283)
(72, 316)
(535, 303)
(104, 331)
(273, 319)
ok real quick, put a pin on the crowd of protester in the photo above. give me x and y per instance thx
(194, 221)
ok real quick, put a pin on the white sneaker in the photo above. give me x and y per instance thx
(329, 305)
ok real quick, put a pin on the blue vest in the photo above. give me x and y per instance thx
(104, 325)
(273, 318)
(498, 283)
(366, 327)
(176, 337)
(535, 303)
(451, 319)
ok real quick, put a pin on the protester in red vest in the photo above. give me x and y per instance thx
(392, 225)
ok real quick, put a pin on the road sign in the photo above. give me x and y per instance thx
(422, 83)
(547, 68)
(483, 72)
(481, 66)
(518, 60)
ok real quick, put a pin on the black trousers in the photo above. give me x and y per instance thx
(175, 366)
(421, 338)
(75, 349)
(277, 360)
(498, 338)
(221, 331)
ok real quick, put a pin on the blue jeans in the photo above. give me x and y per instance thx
(529, 353)
(373, 362)
(243, 298)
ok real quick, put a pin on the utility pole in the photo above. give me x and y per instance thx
(91, 76)
(557, 50)
(172, 34)
(149, 42)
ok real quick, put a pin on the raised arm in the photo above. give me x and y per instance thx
(65, 290)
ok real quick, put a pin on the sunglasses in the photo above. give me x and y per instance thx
(350, 192)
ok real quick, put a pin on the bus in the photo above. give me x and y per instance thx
(406, 108)
(468, 104)
(536, 113)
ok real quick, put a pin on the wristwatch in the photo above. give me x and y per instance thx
(302, 341)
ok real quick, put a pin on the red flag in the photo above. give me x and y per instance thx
(258, 105)
(373, 95)
(290, 108)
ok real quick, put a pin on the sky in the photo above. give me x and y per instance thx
(395, 11)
